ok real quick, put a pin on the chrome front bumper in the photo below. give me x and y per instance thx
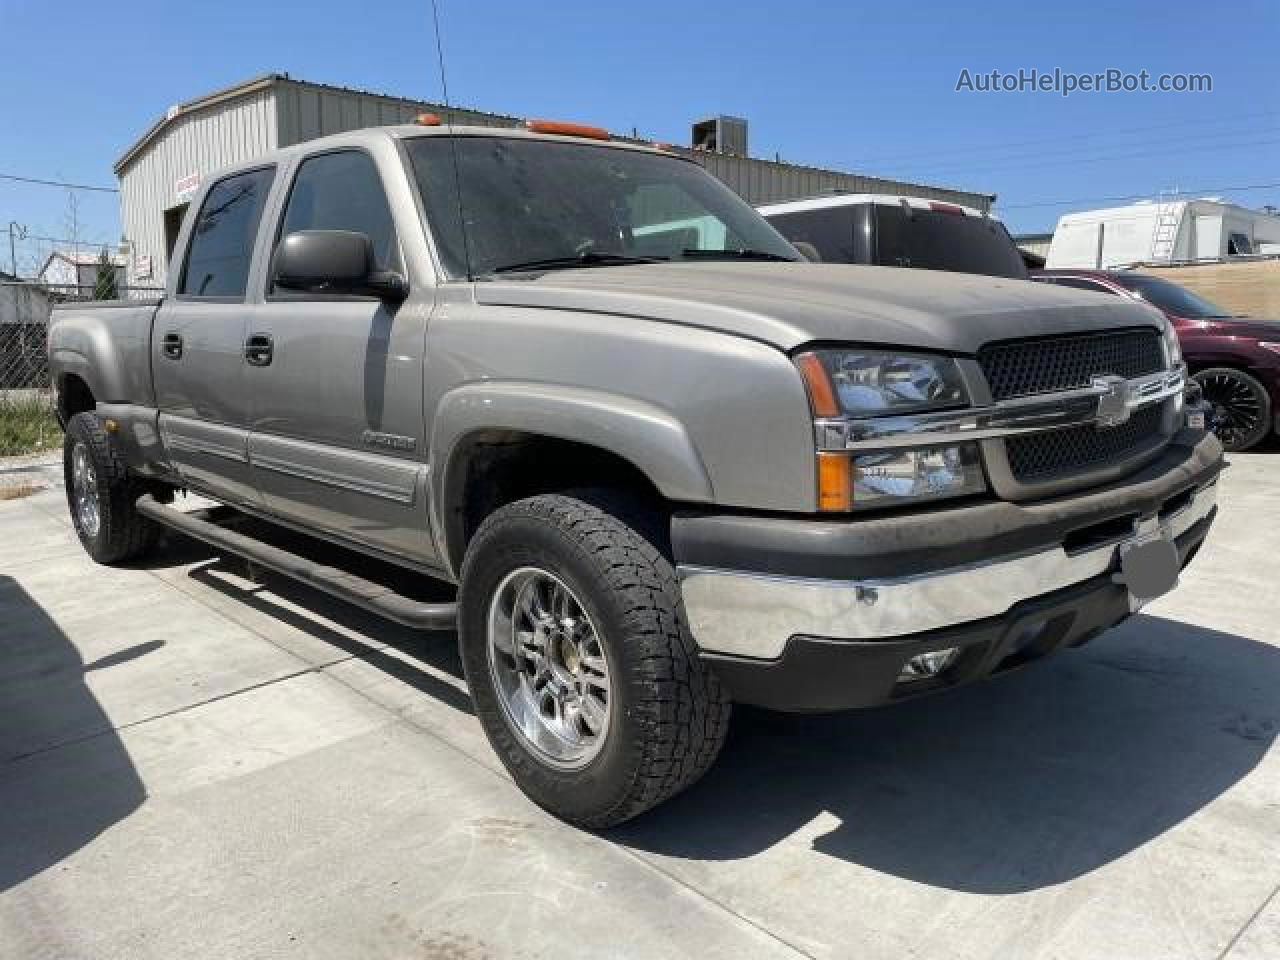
(754, 615)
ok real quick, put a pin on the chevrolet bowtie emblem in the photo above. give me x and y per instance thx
(1113, 401)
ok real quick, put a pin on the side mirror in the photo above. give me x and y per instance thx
(334, 261)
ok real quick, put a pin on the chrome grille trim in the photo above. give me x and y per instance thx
(1006, 418)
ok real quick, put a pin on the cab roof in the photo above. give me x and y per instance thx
(827, 201)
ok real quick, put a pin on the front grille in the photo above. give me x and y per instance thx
(1038, 457)
(1021, 368)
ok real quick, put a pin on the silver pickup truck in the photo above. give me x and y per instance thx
(668, 464)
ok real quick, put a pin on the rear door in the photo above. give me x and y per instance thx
(337, 440)
(197, 343)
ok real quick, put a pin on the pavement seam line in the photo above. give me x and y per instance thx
(626, 851)
(409, 723)
(1231, 945)
(638, 858)
(318, 668)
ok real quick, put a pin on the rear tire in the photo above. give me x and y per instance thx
(1241, 414)
(101, 495)
(665, 712)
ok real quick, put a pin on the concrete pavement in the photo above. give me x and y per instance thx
(194, 765)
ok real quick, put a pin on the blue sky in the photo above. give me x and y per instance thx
(864, 88)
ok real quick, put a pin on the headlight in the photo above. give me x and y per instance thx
(871, 383)
(886, 479)
(855, 383)
(1172, 348)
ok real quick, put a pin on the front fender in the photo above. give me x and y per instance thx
(645, 435)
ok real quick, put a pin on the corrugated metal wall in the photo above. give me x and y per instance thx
(306, 111)
(196, 143)
(285, 112)
(765, 181)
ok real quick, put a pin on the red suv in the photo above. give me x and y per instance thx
(1236, 360)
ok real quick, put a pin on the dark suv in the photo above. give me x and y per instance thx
(1235, 359)
(894, 231)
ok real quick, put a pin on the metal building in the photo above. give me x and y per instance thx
(161, 171)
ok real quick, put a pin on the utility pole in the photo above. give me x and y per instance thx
(21, 234)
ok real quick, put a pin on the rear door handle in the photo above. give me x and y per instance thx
(259, 349)
(172, 345)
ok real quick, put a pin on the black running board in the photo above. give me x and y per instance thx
(371, 596)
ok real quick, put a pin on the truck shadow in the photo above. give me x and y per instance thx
(54, 800)
(417, 650)
(1012, 785)
(413, 657)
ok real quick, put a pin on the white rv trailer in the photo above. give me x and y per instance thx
(1161, 232)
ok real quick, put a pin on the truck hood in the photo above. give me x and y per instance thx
(790, 304)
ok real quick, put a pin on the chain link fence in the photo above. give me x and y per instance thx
(27, 421)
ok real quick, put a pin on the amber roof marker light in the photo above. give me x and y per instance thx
(567, 129)
(428, 120)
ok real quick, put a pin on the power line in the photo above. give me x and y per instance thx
(1052, 158)
(1131, 196)
(25, 237)
(1159, 145)
(57, 183)
(987, 147)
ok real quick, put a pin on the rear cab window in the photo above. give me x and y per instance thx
(220, 251)
(937, 240)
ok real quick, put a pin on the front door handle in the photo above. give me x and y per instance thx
(172, 345)
(259, 349)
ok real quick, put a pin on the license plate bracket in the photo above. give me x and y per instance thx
(1149, 566)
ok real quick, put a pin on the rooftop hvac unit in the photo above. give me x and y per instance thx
(721, 134)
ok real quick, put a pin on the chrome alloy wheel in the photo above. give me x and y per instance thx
(84, 490)
(549, 668)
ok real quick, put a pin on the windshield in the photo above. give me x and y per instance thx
(932, 240)
(539, 204)
(1169, 297)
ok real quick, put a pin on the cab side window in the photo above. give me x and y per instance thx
(342, 191)
(221, 246)
(829, 231)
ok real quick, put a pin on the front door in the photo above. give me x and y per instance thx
(197, 344)
(337, 428)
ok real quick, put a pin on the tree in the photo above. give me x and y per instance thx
(104, 284)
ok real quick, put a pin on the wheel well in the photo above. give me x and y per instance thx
(74, 397)
(493, 468)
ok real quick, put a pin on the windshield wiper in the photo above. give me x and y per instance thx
(695, 253)
(591, 258)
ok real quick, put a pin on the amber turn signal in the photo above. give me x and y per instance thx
(818, 384)
(835, 482)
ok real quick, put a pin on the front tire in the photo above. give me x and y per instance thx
(101, 495)
(580, 664)
(1241, 414)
